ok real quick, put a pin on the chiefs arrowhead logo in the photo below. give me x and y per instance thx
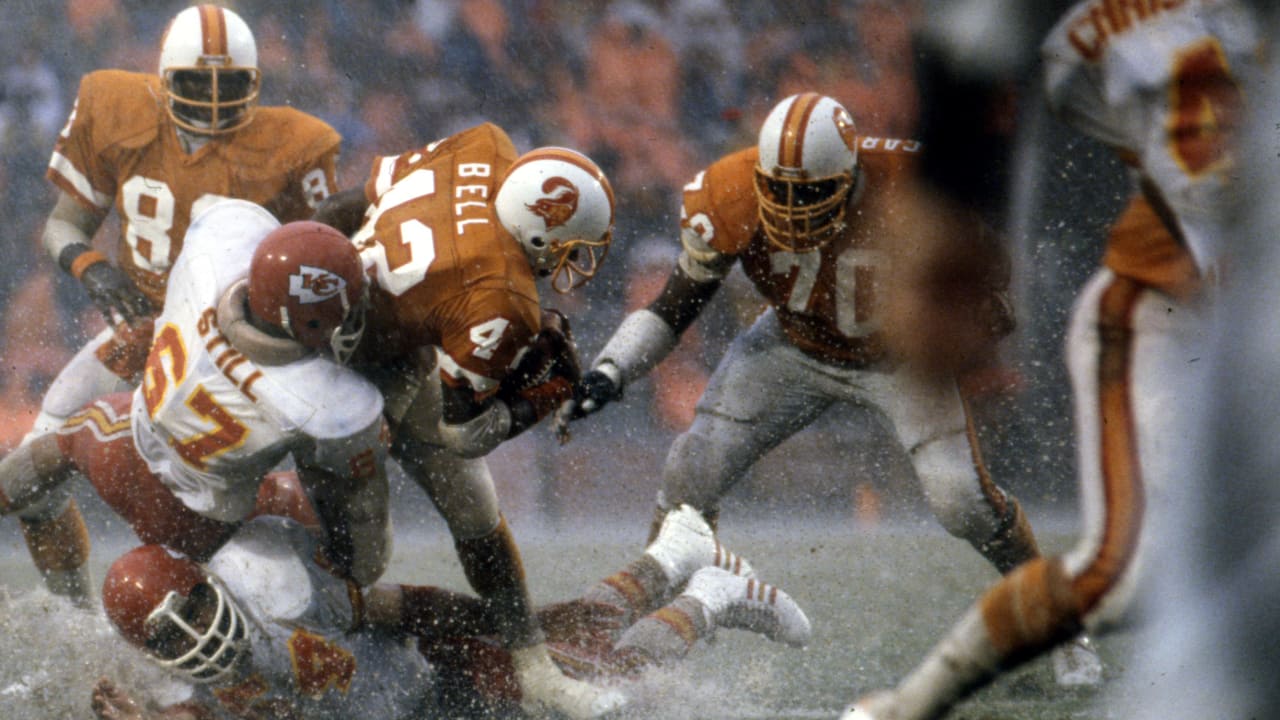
(559, 203)
(314, 285)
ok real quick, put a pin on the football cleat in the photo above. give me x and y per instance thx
(1076, 663)
(685, 544)
(744, 603)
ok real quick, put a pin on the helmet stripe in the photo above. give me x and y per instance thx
(791, 144)
(213, 30)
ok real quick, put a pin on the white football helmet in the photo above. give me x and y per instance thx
(209, 70)
(558, 205)
(808, 158)
(179, 614)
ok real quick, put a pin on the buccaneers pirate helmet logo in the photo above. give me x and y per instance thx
(313, 284)
(558, 204)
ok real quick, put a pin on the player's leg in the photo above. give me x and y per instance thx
(53, 527)
(33, 486)
(933, 424)
(714, 598)
(760, 394)
(463, 491)
(685, 544)
(1049, 601)
(99, 439)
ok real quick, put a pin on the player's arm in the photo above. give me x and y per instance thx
(343, 210)
(68, 234)
(647, 336)
(346, 480)
(480, 413)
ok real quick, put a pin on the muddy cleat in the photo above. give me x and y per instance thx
(1076, 663)
(685, 544)
(743, 603)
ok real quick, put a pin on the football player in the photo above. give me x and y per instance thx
(160, 149)
(1163, 89)
(809, 212)
(457, 233)
(264, 629)
(245, 372)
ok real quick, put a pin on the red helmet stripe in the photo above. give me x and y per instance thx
(791, 144)
(213, 30)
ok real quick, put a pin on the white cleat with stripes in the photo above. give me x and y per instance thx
(744, 603)
(685, 544)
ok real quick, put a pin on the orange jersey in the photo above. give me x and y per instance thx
(826, 300)
(120, 147)
(447, 273)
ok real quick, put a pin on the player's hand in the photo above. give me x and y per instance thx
(593, 392)
(114, 293)
(111, 703)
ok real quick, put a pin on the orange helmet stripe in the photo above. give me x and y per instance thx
(791, 145)
(213, 29)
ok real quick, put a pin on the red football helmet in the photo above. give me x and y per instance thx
(162, 602)
(808, 153)
(307, 280)
(209, 70)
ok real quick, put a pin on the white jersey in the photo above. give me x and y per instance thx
(1159, 81)
(209, 421)
(303, 650)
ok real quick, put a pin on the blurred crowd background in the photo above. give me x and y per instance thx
(653, 91)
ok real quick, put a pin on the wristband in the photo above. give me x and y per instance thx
(77, 263)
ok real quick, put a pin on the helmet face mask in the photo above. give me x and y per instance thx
(805, 172)
(559, 206)
(177, 612)
(209, 70)
(212, 101)
(200, 636)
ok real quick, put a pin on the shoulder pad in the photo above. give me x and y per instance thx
(125, 108)
(720, 204)
(287, 133)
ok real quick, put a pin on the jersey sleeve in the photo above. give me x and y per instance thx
(76, 167)
(719, 210)
(298, 148)
(317, 170)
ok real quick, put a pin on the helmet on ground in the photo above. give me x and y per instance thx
(167, 605)
(808, 156)
(558, 205)
(209, 70)
(307, 281)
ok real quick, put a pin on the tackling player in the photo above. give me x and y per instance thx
(1162, 88)
(160, 149)
(809, 213)
(245, 372)
(457, 234)
(263, 629)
